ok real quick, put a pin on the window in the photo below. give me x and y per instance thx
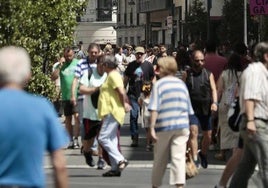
(138, 40)
(131, 17)
(118, 17)
(125, 18)
(104, 10)
(126, 40)
(132, 41)
(120, 41)
(138, 19)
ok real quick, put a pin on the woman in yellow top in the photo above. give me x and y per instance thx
(112, 107)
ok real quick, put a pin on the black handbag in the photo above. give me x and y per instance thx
(234, 116)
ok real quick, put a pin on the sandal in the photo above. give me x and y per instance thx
(112, 173)
(122, 165)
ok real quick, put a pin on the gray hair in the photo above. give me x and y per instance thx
(15, 65)
(110, 61)
(259, 51)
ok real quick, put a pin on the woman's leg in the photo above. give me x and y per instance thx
(108, 140)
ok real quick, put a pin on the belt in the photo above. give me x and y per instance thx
(261, 119)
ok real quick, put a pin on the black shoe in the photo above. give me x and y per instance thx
(82, 150)
(89, 159)
(112, 173)
(203, 160)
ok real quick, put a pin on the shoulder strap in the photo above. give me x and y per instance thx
(89, 69)
(237, 78)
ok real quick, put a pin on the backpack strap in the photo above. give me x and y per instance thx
(90, 71)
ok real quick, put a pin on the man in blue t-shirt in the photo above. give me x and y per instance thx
(29, 127)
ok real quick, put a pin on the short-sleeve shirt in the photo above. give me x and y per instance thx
(170, 98)
(254, 85)
(67, 72)
(96, 80)
(29, 127)
(82, 67)
(137, 73)
(109, 101)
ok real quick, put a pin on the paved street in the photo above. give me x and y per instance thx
(138, 172)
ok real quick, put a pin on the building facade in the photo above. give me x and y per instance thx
(152, 22)
(98, 23)
(139, 22)
(131, 24)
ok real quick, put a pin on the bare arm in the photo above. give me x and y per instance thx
(126, 79)
(249, 104)
(220, 88)
(55, 73)
(123, 98)
(153, 118)
(60, 171)
(73, 90)
(214, 106)
(87, 90)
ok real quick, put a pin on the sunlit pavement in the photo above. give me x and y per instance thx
(138, 172)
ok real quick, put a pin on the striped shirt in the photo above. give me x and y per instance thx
(81, 68)
(170, 98)
(254, 86)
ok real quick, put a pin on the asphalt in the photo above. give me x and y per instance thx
(137, 173)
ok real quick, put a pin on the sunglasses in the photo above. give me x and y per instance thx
(199, 60)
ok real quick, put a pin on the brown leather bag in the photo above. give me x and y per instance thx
(191, 169)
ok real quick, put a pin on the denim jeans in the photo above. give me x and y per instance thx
(255, 152)
(134, 115)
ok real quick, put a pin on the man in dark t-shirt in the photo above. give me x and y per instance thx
(135, 74)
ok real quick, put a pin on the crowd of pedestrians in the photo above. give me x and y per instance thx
(177, 93)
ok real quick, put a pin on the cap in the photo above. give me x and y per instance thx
(139, 49)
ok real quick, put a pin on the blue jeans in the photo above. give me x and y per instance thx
(134, 115)
(255, 152)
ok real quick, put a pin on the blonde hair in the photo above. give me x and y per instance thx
(168, 65)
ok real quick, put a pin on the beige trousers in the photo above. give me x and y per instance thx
(170, 144)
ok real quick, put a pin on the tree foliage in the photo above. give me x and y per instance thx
(232, 25)
(196, 21)
(44, 28)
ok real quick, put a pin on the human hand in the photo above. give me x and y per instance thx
(127, 107)
(153, 135)
(214, 107)
(62, 60)
(73, 100)
(251, 127)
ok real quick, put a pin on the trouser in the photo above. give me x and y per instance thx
(109, 141)
(134, 115)
(173, 144)
(255, 152)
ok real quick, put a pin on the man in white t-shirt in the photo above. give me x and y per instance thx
(121, 60)
(89, 86)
